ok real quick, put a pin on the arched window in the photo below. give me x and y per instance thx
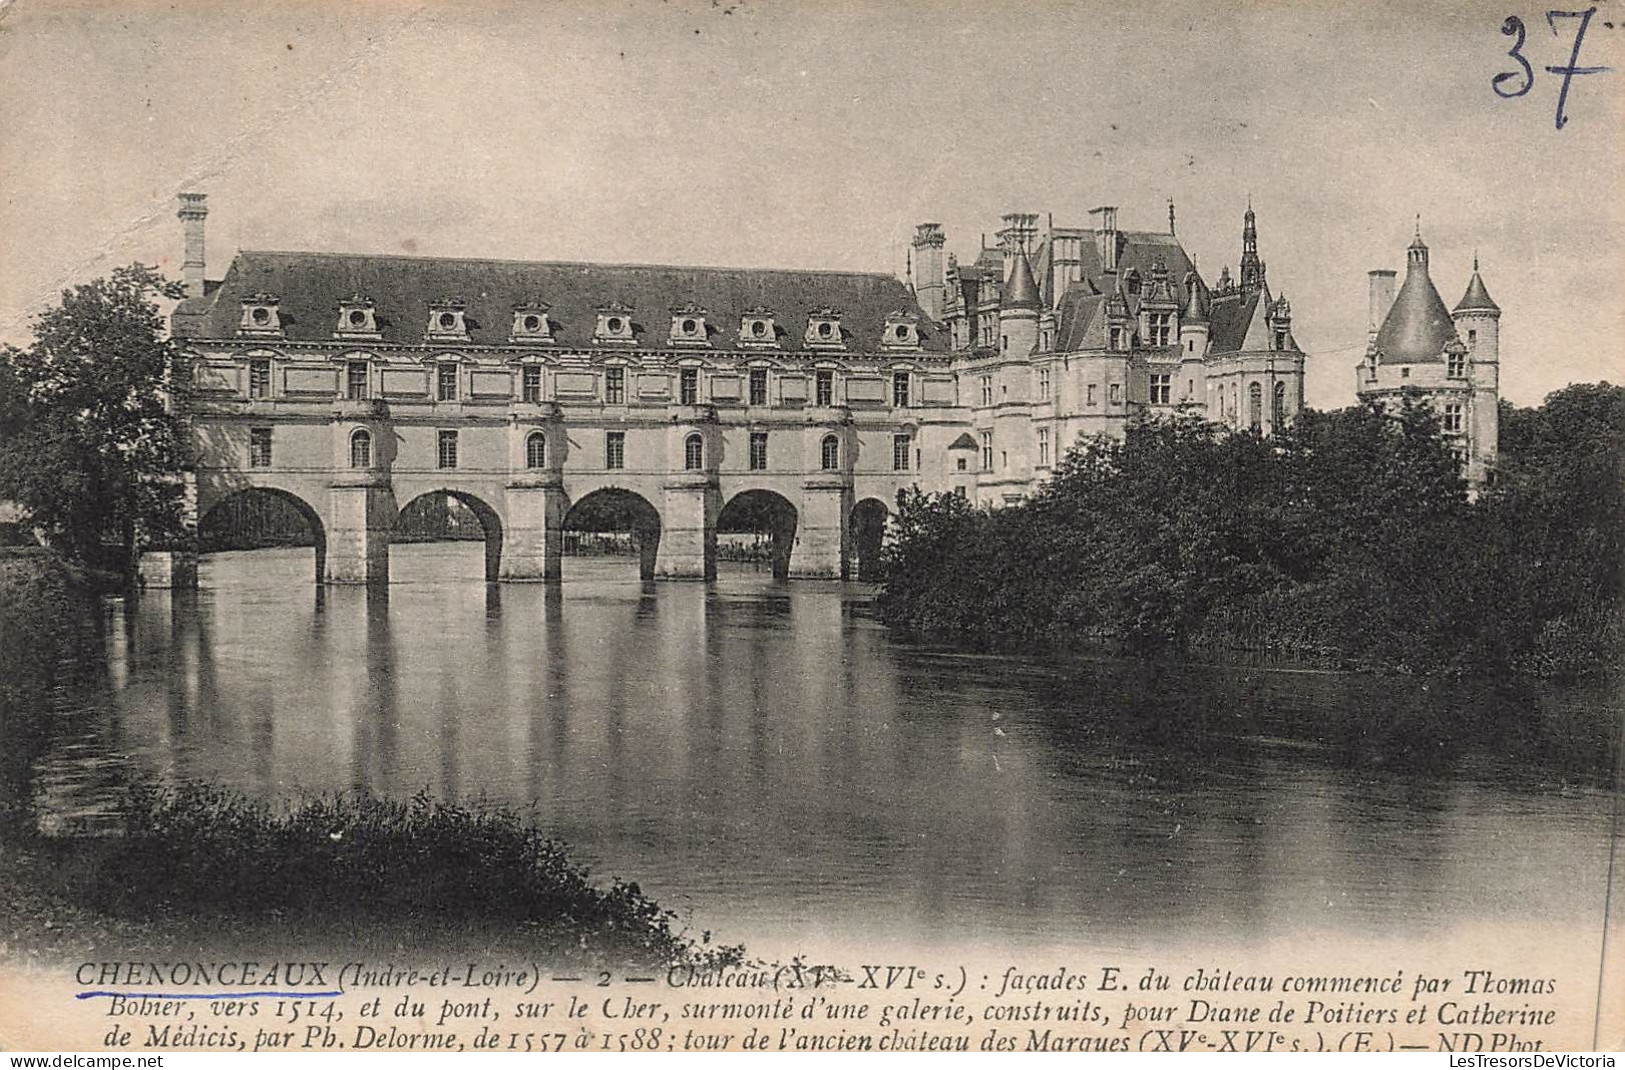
(831, 453)
(1280, 404)
(536, 450)
(361, 449)
(1255, 407)
(694, 452)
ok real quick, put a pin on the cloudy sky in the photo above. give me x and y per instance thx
(817, 135)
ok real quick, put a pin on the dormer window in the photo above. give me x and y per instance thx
(757, 330)
(614, 325)
(902, 331)
(824, 329)
(261, 316)
(688, 326)
(357, 318)
(531, 323)
(446, 319)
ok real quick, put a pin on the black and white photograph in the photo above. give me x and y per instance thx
(722, 525)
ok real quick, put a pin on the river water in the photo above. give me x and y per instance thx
(767, 760)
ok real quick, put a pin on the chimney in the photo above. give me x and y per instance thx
(1105, 219)
(1382, 299)
(928, 277)
(192, 213)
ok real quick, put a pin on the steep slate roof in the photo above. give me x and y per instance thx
(1139, 252)
(1418, 326)
(311, 285)
(1081, 308)
(1229, 316)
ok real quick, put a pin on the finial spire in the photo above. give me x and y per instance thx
(1170, 215)
(1418, 226)
(1475, 261)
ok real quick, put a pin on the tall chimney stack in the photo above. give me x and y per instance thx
(1382, 299)
(1105, 220)
(929, 282)
(192, 214)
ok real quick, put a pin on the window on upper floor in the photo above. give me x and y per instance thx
(1472, 337)
(758, 386)
(1162, 388)
(830, 453)
(1117, 393)
(901, 445)
(688, 386)
(987, 389)
(531, 383)
(446, 450)
(1255, 407)
(1043, 446)
(1279, 411)
(1453, 417)
(694, 452)
(824, 387)
(446, 382)
(259, 378)
(1456, 365)
(758, 451)
(356, 380)
(615, 449)
(615, 386)
(1162, 328)
(536, 450)
(1043, 384)
(987, 451)
(1089, 394)
(899, 389)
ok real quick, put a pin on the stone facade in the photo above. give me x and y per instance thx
(351, 385)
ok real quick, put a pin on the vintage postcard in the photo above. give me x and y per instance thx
(726, 525)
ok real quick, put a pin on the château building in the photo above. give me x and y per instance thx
(1451, 359)
(349, 385)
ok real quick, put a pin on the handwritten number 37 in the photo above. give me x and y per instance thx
(1523, 79)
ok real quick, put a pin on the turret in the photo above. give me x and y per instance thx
(1478, 324)
(1019, 306)
(1194, 325)
(929, 281)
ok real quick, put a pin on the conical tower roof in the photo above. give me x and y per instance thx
(1477, 298)
(1418, 326)
(1021, 289)
(1195, 310)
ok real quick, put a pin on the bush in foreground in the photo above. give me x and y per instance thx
(372, 863)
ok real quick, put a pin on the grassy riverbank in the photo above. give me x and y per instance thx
(192, 863)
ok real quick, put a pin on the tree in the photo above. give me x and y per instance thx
(89, 440)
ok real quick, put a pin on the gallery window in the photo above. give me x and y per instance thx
(361, 450)
(830, 453)
(900, 447)
(694, 452)
(536, 450)
(758, 451)
(259, 447)
(615, 449)
(446, 453)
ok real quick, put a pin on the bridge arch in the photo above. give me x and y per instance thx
(764, 512)
(868, 523)
(490, 523)
(617, 509)
(255, 518)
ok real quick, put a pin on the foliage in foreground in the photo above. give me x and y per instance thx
(367, 862)
(88, 438)
(1349, 538)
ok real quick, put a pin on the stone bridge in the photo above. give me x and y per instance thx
(351, 468)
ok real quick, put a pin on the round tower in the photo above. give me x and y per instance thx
(1019, 306)
(1478, 323)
